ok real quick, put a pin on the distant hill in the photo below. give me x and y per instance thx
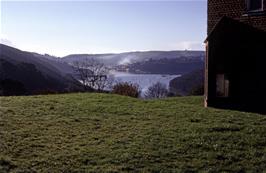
(153, 62)
(187, 83)
(33, 71)
(176, 66)
(134, 57)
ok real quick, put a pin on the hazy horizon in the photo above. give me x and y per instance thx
(65, 27)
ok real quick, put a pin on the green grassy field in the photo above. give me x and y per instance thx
(110, 133)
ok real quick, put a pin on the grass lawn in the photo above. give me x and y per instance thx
(110, 133)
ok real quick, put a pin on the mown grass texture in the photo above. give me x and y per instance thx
(91, 132)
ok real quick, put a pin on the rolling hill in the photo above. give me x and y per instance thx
(152, 62)
(29, 72)
(177, 66)
(187, 83)
(34, 71)
(134, 57)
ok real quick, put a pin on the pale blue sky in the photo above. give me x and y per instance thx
(65, 27)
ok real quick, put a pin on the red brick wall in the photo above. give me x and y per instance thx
(235, 9)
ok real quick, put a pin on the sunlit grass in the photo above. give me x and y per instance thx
(110, 133)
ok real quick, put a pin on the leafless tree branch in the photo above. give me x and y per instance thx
(92, 74)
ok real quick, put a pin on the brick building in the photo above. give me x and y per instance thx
(235, 66)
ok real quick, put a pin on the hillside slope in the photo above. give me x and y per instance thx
(110, 133)
(185, 84)
(152, 62)
(179, 66)
(35, 72)
(134, 57)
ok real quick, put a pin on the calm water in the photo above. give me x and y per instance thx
(143, 80)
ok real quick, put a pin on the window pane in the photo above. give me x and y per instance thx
(255, 5)
(226, 88)
(222, 85)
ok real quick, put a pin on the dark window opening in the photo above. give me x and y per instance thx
(222, 85)
(254, 5)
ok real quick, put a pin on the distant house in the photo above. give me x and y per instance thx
(235, 66)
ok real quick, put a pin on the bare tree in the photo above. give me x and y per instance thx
(157, 90)
(92, 74)
(105, 83)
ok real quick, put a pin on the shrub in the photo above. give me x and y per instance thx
(10, 87)
(127, 89)
(197, 91)
(157, 90)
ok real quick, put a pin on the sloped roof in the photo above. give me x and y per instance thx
(227, 25)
